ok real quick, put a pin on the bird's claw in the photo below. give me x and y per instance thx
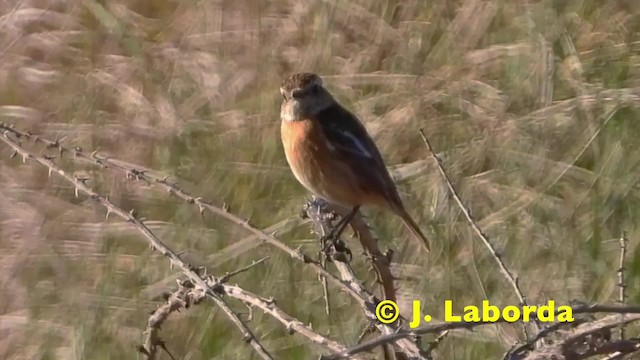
(338, 246)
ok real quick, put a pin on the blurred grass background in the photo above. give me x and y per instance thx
(533, 106)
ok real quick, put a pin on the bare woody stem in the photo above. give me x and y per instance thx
(631, 313)
(621, 282)
(318, 212)
(164, 184)
(210, 286)
(153, 240)
(228, 275)
(292, 324)
(513, 281)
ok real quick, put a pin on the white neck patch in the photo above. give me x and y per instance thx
(290, 112)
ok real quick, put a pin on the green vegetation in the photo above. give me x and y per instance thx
(533, 107)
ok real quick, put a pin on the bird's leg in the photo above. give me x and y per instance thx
(333, 236)
(342, 224)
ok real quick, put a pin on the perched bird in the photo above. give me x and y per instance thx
(332, 155)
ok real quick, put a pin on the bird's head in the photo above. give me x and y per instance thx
(303, 96)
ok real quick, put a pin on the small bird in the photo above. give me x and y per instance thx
(331, 154)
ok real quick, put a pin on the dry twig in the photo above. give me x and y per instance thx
(182, 298)
(381, 262)
(513, 281)
(319, 213)
(174, 189)
(208, 285)
(589, 339)
(448, 326)
(228, 275)
(153, 240)
(621, 283)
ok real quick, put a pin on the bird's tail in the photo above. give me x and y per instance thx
(415, 229)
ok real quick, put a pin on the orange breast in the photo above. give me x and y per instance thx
(314, 165)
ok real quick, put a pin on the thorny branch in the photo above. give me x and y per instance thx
(228, 275)
(200, 286)
(317, 210)
(503, 268)
(621, 283)
(292, 324)
(154, 241)
(174, 189)
(208, 285)
(631, 313)
(179, 299)
(589, 339)
(380, 261)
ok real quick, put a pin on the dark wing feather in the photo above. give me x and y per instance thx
(345, 132)
(351, 143)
